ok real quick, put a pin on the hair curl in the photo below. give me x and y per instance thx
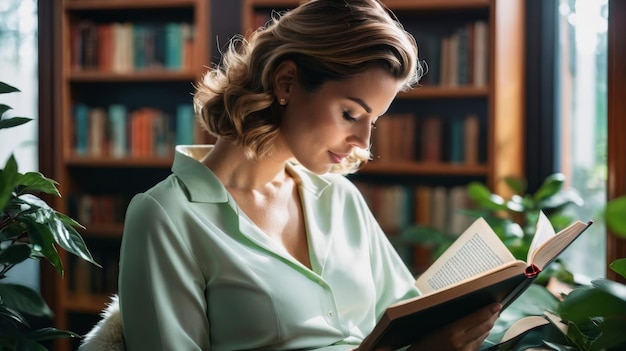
(329, 40)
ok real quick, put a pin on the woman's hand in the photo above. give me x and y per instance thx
(466, 334)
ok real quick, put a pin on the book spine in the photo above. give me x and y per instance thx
(117, 123)
(173, 46)
(81, 128)
(184, 124)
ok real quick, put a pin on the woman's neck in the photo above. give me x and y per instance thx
(236, 171)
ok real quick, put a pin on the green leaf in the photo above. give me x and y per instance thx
(611, 334)
(41, 236)
(586, 302)
(559, 347)
(3, 108)
(9, 314)
(51, 333)
(517, 184)
(6, 88)
(69, 239)
(551, 185)
(614, 288)
(12, 231)
(15, 253)
(581, 335)
(560, 199)
(516, 204)
(13, 122)
(68, 220)
(615, 215)
(484, 198)
(37, 182)
(24, 299)
(26, 344)
(619, 266)
(8, 178)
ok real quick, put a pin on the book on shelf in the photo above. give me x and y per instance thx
(117, 131)
(131, 46)
(476, 271)
(459, 58)
(471, 137)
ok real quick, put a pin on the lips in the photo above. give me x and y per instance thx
(336, 158)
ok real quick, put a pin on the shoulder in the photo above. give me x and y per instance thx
(162, 197)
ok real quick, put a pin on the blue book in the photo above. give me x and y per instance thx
(185, 124)
(173, 46)
(457, 140)
(118, 128)
(81, 128)
(139, 46)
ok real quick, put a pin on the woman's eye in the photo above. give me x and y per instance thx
(347, 117)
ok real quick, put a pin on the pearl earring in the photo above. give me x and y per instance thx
(282, 102)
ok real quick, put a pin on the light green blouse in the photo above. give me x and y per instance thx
(197, 274)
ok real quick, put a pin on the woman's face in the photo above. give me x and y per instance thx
(321, 128)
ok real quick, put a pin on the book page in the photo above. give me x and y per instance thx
(543, 232)
(547, 251)
(476, 251)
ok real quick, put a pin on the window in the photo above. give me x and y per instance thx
(581, 126)
(18, 64)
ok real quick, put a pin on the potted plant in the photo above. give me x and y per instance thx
(29, 229)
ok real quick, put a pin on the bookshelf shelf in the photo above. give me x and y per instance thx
(430, 169)
(100, 5)
(428, 92)
(127, 162)
(155, 75)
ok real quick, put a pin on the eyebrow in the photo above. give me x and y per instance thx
(362, 103)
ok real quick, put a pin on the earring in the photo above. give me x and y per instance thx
(282, 102)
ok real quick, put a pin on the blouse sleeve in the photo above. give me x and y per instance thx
(161, 287)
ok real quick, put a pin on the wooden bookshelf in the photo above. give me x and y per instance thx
(497, 99)
(149, 71)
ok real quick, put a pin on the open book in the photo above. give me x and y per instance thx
(475, 271)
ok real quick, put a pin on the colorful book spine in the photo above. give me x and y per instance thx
(117, 125)
(81, 129)
(173, 46)
(185, 124)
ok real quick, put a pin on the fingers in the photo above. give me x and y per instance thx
(474, 329)
(480, 322)
(466, 334)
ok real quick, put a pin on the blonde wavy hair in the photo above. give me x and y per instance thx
(329, 40)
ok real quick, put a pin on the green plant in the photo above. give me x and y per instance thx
(29, 229)
(592, 317)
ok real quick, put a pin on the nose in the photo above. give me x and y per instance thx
(361, 135)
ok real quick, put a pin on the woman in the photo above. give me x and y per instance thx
(257, 242)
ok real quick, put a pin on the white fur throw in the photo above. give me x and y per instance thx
(107, 334)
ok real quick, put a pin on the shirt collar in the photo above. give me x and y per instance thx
(204, 186)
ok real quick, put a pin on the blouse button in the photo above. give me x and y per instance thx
(330, 314)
